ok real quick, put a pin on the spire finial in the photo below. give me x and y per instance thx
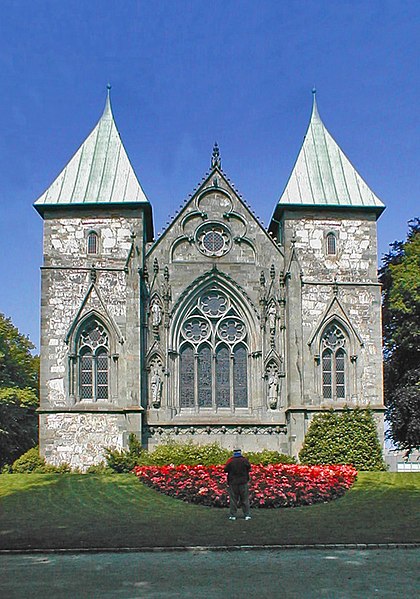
(215, 158)
(314, 104)
(108, 100)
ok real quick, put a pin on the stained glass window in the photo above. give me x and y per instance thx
(218, 376)
(213, 239)
(339, 374)
(187, 377)
(240, 377)
(223, 377)
(86, 375)
(204, 377)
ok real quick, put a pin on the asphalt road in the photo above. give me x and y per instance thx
(303, 574)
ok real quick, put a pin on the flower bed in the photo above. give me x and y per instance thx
(276, 485)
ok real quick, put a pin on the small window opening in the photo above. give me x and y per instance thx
(331, 244)
(92, 243)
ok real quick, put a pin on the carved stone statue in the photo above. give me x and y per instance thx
(156, 388)
(272, 318)
(273, 390)
(156, 311)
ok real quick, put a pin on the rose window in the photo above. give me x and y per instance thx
(213, 239)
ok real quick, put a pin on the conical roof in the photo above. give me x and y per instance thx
(100, 171)
(324, 176)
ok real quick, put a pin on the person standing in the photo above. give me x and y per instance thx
(237, 468)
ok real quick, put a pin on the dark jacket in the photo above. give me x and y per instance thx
(237, 469)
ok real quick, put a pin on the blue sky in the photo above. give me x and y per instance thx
(185, 74)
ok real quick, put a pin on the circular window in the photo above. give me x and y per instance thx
(196, 329)
(213, 239)
(214, 304)
(232, 330)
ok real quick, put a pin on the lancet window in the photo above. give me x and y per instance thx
(93, 362)
(92, 243)
(334, 363)
(213, 358)
(331, 244)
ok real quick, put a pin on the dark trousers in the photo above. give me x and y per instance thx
(238, 497)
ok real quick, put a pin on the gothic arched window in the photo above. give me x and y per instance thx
(213, 367)
(92, 243)
(93, 361)
(334, 360)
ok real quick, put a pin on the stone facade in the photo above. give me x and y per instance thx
(219, 330)
(77, 288)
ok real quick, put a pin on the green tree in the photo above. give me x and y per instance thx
(400, 278)
(348, 437)
(18, 393)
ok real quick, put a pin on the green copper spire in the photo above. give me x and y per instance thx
(323, 175)
(100, 171)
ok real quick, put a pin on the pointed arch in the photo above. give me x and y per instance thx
(90, 363)
(335, 311)
(93, 314)
(334, 355)
(214, 330)
(238, 297)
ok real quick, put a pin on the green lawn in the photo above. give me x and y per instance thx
(86, 511)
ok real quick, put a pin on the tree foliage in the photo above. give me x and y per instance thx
(348, 437)
(400, 278)
(18, 393)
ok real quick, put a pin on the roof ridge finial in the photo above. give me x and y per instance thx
(215, 158)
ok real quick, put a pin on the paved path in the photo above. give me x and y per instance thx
(262, 574)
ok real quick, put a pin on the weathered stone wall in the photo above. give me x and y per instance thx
(75, 284)
(252, 254)
(320, 287)
(79, 439)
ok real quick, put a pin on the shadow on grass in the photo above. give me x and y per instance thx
(87, 511)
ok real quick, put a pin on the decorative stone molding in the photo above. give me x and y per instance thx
(261, 429)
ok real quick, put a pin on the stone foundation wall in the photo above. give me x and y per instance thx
(79, 439)
(247, 441)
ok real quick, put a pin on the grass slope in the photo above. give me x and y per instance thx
(85, 511)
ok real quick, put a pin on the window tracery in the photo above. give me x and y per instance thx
(93, 361)
(213, 360)
(334, 357)
(213, 239)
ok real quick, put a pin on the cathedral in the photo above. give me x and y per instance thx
(219, 329)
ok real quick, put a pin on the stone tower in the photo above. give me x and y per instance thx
(219, 330)
(326, 223)
(97, 221)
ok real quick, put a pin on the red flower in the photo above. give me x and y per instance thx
(276, 485)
